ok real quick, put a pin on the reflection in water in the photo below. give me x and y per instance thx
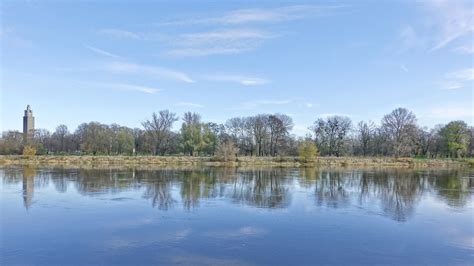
(28, 186)
(396, 192)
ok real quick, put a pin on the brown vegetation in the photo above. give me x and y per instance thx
(239, 162)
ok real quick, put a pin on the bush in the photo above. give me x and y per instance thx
(307, 151)
(226, 152)
(29, 151)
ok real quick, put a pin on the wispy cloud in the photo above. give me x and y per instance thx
(101, 52)
(455, 19)
(463, 74)
(225, 40)
(410, 39)
(457, 79)
(243, 80)
(466, 49)
(149, 71)
(129, 87)
(259, 15)
(187, 104)
(120, 34)
(451, 85)
(249, 105)
(446, 22)
(229, 41)
(237, 40)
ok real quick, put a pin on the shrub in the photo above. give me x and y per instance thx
(226, 152)
(29, 151)
(307, 151)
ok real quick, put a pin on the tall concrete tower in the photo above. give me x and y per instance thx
(28, 124)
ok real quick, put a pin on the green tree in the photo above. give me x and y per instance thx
(307, 151)
(11, 142)
(125, 140)
(455, 138)
(209, 140)
(191, 134)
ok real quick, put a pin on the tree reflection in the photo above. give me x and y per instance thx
(399, 193)
(158, 187)
(395, 192)
(261, 188)
(453, 190)
(331, 191)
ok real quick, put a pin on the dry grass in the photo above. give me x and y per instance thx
(243, 161)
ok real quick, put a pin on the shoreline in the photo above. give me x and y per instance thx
(281, 162)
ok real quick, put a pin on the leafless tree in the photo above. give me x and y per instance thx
(400, 126)
(159, 130)
(365, 136)
(331, 133)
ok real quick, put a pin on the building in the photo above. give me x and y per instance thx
(28, 125)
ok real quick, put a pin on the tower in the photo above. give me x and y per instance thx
(28, 124)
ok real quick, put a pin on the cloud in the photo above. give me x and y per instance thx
(249, 105)
(455, 19)
(187, 104)
(225, 40)
(463, 74)
(410, 39)
(260, 15)
(243, 80)
(466, 49)
(451, 85)
(101, 52)
(229, 41)
(446, 22)
(309, 105)
(150, 71)
(458, 79)
(119, 34)
(129, 87)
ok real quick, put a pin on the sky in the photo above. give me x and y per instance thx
(120, 61)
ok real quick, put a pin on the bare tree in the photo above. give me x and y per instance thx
(280, 126)
(400, 126)
(227, 151)
(331, 134)
(365, 136)
(159, 130)
(259, 127)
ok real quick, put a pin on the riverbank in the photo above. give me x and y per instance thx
(51, 160)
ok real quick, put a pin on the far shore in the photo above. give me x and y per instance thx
(243, 161)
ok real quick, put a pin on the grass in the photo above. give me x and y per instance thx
(280, 161)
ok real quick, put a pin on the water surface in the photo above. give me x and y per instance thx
(236, 216)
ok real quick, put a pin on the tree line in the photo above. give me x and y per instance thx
(398, 134)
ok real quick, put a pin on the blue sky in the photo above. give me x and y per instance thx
(119, 61)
